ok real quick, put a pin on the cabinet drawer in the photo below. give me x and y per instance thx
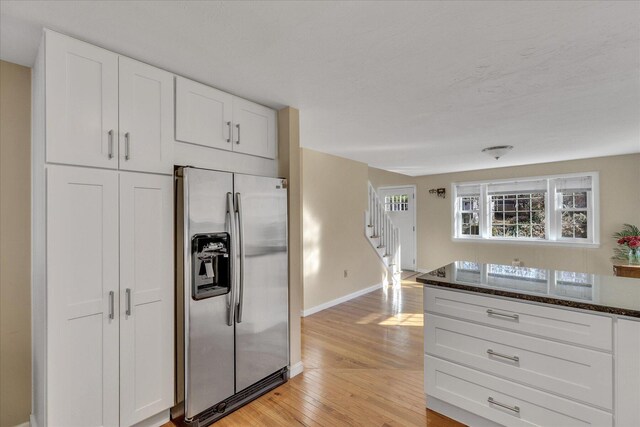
(574, 327)
(523, 406)
(575, 372)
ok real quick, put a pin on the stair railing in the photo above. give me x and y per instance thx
(383, 229)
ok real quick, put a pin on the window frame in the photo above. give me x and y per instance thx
(553, 213)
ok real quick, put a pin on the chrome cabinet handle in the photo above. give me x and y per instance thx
(232, 220)
(111, 305)
(127, 143)
(504, 356)
(497, 313)
(241, 248)
(515, 409)
(128, 299)
(238, 127)
(230, 131)
(110, 143)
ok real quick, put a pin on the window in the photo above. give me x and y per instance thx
(396, 203)
(553, 209)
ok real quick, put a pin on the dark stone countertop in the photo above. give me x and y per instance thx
(605, 294)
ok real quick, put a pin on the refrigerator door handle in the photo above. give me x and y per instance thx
(240, 223)
(232, 221)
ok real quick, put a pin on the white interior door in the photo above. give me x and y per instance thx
(146, 296)
(82, 292)
(146, 118)
(400, 204)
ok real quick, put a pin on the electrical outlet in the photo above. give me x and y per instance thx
(346, 273)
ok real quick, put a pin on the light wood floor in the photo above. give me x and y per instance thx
(363, 366)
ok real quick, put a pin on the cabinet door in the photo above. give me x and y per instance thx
(254, 129)
(146, 296)
(146, 118)
(627, 372)
(81, 103)
(82, 297)
(203, 114)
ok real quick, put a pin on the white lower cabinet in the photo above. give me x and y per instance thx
(627, 373)
(505, 402)
(82, 296)
(146, 296)
(493, 361)
(109, 297)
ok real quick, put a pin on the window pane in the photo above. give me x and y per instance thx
(580, 199)
(567, 201)
(497, 231)
(580, 224)
(524, 230)
(510, 231)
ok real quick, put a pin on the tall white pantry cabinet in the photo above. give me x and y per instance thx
(102, 238)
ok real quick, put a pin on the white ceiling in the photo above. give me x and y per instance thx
(417, 88)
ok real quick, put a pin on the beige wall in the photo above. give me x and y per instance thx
(619, 204)
(334, 202)
(289, 167)
(15, 216)
(383, 178)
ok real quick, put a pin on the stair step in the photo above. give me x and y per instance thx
(370, 225)
(375, 236)
(380, 246)
(386, 255)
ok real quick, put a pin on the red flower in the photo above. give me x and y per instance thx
(633, 242)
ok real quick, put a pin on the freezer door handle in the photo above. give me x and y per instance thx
(240, 223)
(232, 221)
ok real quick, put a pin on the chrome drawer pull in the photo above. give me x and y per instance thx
(110, 144)
(127, 144)
(497, 313)
(504, 356)
(515, 409)
(111, 305)
(128, 295)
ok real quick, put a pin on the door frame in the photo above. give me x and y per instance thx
(415, 220)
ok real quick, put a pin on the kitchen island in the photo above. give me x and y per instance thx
(528, 346)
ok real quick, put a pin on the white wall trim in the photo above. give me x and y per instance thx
(296, 369)
(328, 304)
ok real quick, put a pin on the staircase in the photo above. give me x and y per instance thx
(383, 236)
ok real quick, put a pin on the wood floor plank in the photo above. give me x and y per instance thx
(363, 362)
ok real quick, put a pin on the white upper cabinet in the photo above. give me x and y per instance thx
(146, 118)
(146, 296)
(82, 294)
(212, 118)
(81, 103)
(105, 110)
(255, 129)
(203, 114)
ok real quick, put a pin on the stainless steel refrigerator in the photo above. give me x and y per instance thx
(232, 307)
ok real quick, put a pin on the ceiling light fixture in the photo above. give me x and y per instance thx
(498, 151)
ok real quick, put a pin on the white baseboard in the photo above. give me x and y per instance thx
(296, 369)
(25, 424)
(32, 421)
(328, 304)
